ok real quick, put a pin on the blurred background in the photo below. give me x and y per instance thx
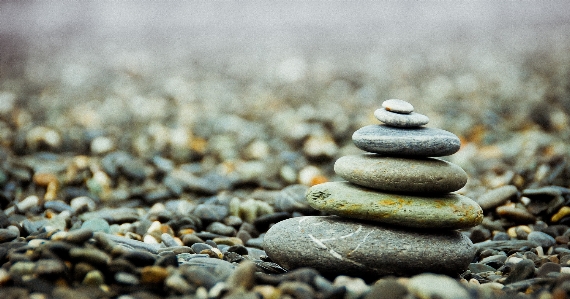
(187, 79)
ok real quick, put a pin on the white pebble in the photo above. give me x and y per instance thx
(398, 106)
(28, 202)
(257, 150)
(58, 236)
(320, 145)
(474, 281)
(288, 174)
(307, 174)
(81, 201)
(150, 239)
(513, 260)
(157, 208)
(36, 242)
(101, 145)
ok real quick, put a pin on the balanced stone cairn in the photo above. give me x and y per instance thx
(397, 213)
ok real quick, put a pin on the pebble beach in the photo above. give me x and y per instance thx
(146, 151)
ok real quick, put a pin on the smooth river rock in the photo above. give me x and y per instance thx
(426, 175)
(410, 120)
(418, 142)
(398, 106)
(339, 246)
(447, 211)
(496, 197)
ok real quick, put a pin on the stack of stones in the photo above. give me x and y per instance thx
(395, 215)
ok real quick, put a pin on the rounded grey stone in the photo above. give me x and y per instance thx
(219, 268)
(221, 229)
(412, 142)
(292, 199)
(449, 211)
(426, 175)
(398, 106)
(496, 197)
(7, 235)
(78, 236)
(410, 120)
(340, 246)
(96, 225)
(545, 240)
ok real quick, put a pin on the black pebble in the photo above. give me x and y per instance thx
(239, 249)
(140, 258)
(262, 223)
(79, 236)
(167, 260)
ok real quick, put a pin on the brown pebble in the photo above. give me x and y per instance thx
(515, 214)
(559, 293)
(191, 239)
(512, 232)
(44, 179)
(186, 231)
(230, 241)
(554, 259)
(213, 253)
(153, 274)
(562, 239)
(244, 276)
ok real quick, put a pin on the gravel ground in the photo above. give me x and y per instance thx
(140, 164)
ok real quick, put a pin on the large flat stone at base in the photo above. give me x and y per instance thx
(339, 246)
(446, 211)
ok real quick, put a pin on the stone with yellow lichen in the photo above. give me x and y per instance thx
(445, 211)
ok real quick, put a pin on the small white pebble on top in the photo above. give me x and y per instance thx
(398, 106)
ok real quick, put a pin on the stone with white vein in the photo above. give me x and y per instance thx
(340, 246)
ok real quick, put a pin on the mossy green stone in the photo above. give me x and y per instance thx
(447, 211)
(397, 174)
